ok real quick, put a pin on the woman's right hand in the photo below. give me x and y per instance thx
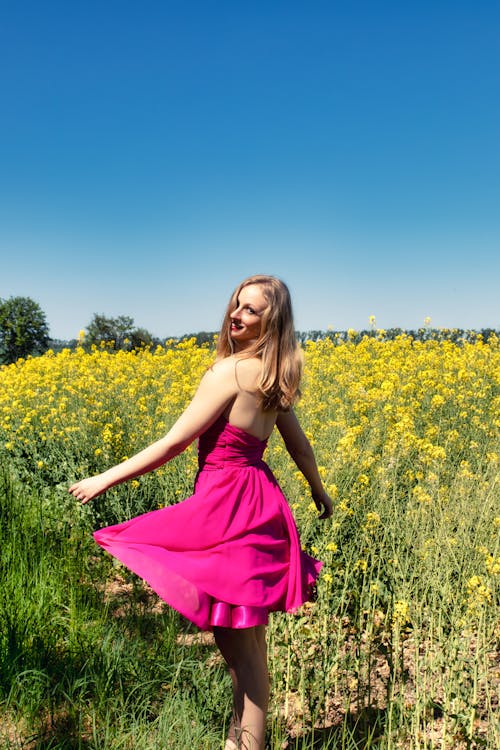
(323, 500)
(87, 489)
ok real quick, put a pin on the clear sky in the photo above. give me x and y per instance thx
(153, 154)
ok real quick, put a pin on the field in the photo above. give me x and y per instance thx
(399, 648)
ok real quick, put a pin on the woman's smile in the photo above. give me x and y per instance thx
(246, 320)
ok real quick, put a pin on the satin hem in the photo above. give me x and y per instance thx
(224, 615)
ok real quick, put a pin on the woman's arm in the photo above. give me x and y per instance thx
(217, 388)
(299, 448)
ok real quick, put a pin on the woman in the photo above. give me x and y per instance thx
(230, 553)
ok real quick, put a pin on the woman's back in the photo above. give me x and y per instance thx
(245, 410)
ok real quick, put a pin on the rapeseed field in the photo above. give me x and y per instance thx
(399, 649)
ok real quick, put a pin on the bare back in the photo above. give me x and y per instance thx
(245, 410)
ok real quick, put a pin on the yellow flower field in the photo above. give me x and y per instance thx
(406, 435)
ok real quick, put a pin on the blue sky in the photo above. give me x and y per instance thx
(153, 154)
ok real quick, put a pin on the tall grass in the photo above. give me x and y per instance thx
(399, 648)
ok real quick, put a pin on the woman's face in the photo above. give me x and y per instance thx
(246, 320)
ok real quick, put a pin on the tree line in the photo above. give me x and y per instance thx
(24, 332)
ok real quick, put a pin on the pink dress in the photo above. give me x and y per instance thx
(230, 553)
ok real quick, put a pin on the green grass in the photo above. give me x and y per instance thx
(90, 659)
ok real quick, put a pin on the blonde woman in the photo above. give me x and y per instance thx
(230, 554)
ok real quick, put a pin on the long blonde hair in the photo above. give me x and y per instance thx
(276, 346)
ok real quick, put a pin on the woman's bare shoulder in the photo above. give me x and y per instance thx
(221, 370)
(248, 371)
(245, 371)
(242, 364)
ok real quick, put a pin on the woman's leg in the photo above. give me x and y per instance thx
(245, 654)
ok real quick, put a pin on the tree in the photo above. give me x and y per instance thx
(142, 337)
(120, 330)
(23, 329)
(102, 328)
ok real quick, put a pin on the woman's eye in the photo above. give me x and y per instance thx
(250, 310)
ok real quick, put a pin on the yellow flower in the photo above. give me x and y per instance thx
(421, 495)
(400, 615)
(492, 564)
(479, 594)
(437, 400)
(361, 564)
(343, 507)
(372, 521)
